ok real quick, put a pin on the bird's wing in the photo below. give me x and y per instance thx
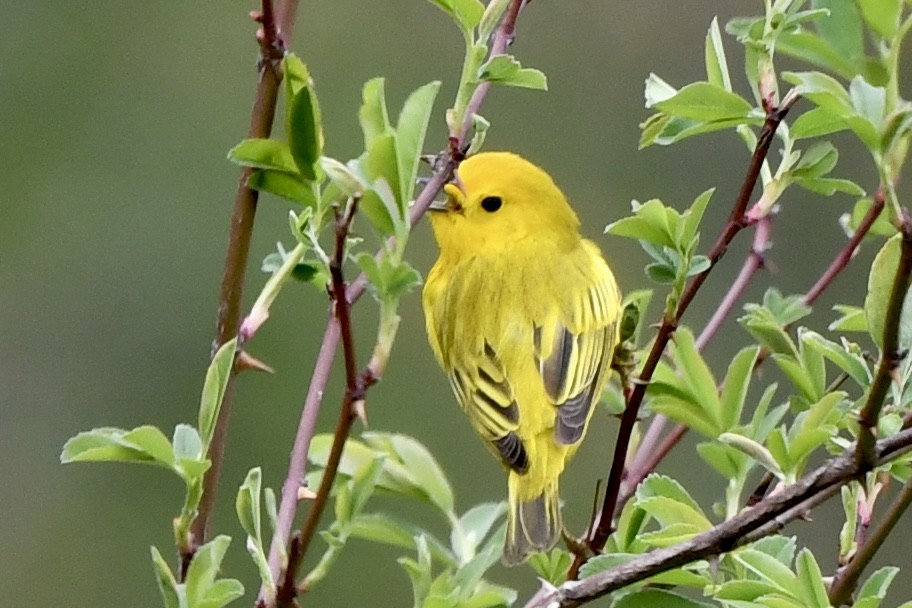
(574, 351)
(487, 397)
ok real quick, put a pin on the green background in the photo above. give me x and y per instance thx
(115, 118)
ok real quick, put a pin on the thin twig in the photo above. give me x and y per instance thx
(891, 355)
(354, 392)
(273, 38)
(765, 518)
(848, 252)
(736, 222)
(847, 579)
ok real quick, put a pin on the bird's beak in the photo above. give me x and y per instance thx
(453, 200)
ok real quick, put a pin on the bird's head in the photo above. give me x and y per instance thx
(496, 199)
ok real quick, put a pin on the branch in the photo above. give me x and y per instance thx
(736, 222)
(891, 355)
(766, 517)
(848, 252)
(355, 387)
(273, 38)
(847, 579)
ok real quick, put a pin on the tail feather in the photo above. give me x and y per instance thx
(532, 525)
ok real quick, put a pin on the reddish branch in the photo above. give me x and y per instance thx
(273, 37)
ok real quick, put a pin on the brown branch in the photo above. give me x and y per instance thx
(736, 222)
(765, 518)
(847, 579)
(891, 355)
(273, 38)
(354, 392)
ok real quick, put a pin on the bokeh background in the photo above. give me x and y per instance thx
(115, 118)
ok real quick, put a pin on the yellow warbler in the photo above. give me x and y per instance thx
(522, 315)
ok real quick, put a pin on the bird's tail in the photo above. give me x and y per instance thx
(533, 524)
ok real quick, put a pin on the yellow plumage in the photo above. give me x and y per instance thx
(522, 314)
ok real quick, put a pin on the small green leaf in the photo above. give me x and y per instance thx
(553, 566)
(425, 470)
(145, 444)
(305, 132)
(217, 376)
(735, 386)
(705, 101)
(472, 528)
(812, 590)
(880, 286)
(823, 90)
(851, 318)
(869, 101)
(171, 593)
(818, 51)
(373, 115)
(247, 503)
(880, 227)
(410, 131)
(716, 64)
(649, 222)
(390, 530)
(381, 165)
(754, 450)
(877, 585)
(376, 203)
(770, 570)
(201, 587)
(849, 362)
(828, 186)
(270, 154)
(187, 443)
(284, 185)
(505, 69)
(817, 122)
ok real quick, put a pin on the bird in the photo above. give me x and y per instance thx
(522, 314)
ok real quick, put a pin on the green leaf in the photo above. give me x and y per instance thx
(880, 227)
(390, 530)
(553, 566)
(735, 385)
(284, 185)
(382, 164)
(145, 444)
(466, 13)
(851, 319)
(849, 362)
(657, 485)
(372, 115)
(376, 204)
(669, 511)
(869, 101)
(721, 457)
(167, 584)
(270, 154)
(697, 374)
(817, 122)
(201, 587)
(877, 585)
(247, 503)
(187, 443)
(829, 186)
(817, 161)
(880, 285)
(410, 131)
(296, 75)
(305, 132)
(472, 528)
(427, 473)
(690, 226)
(657, 598)
(705, 101)
(818, 51)
(649, 222)
(716, 64)
(770, 570)
(811, 588)
(754, 450)
(217, 375)
(883, 16)
(823, 90)
(505, 69)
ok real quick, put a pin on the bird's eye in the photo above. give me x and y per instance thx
(491, 203)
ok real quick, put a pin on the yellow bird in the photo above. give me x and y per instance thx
(522, 314)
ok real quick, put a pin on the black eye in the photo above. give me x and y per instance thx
(491, 203)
